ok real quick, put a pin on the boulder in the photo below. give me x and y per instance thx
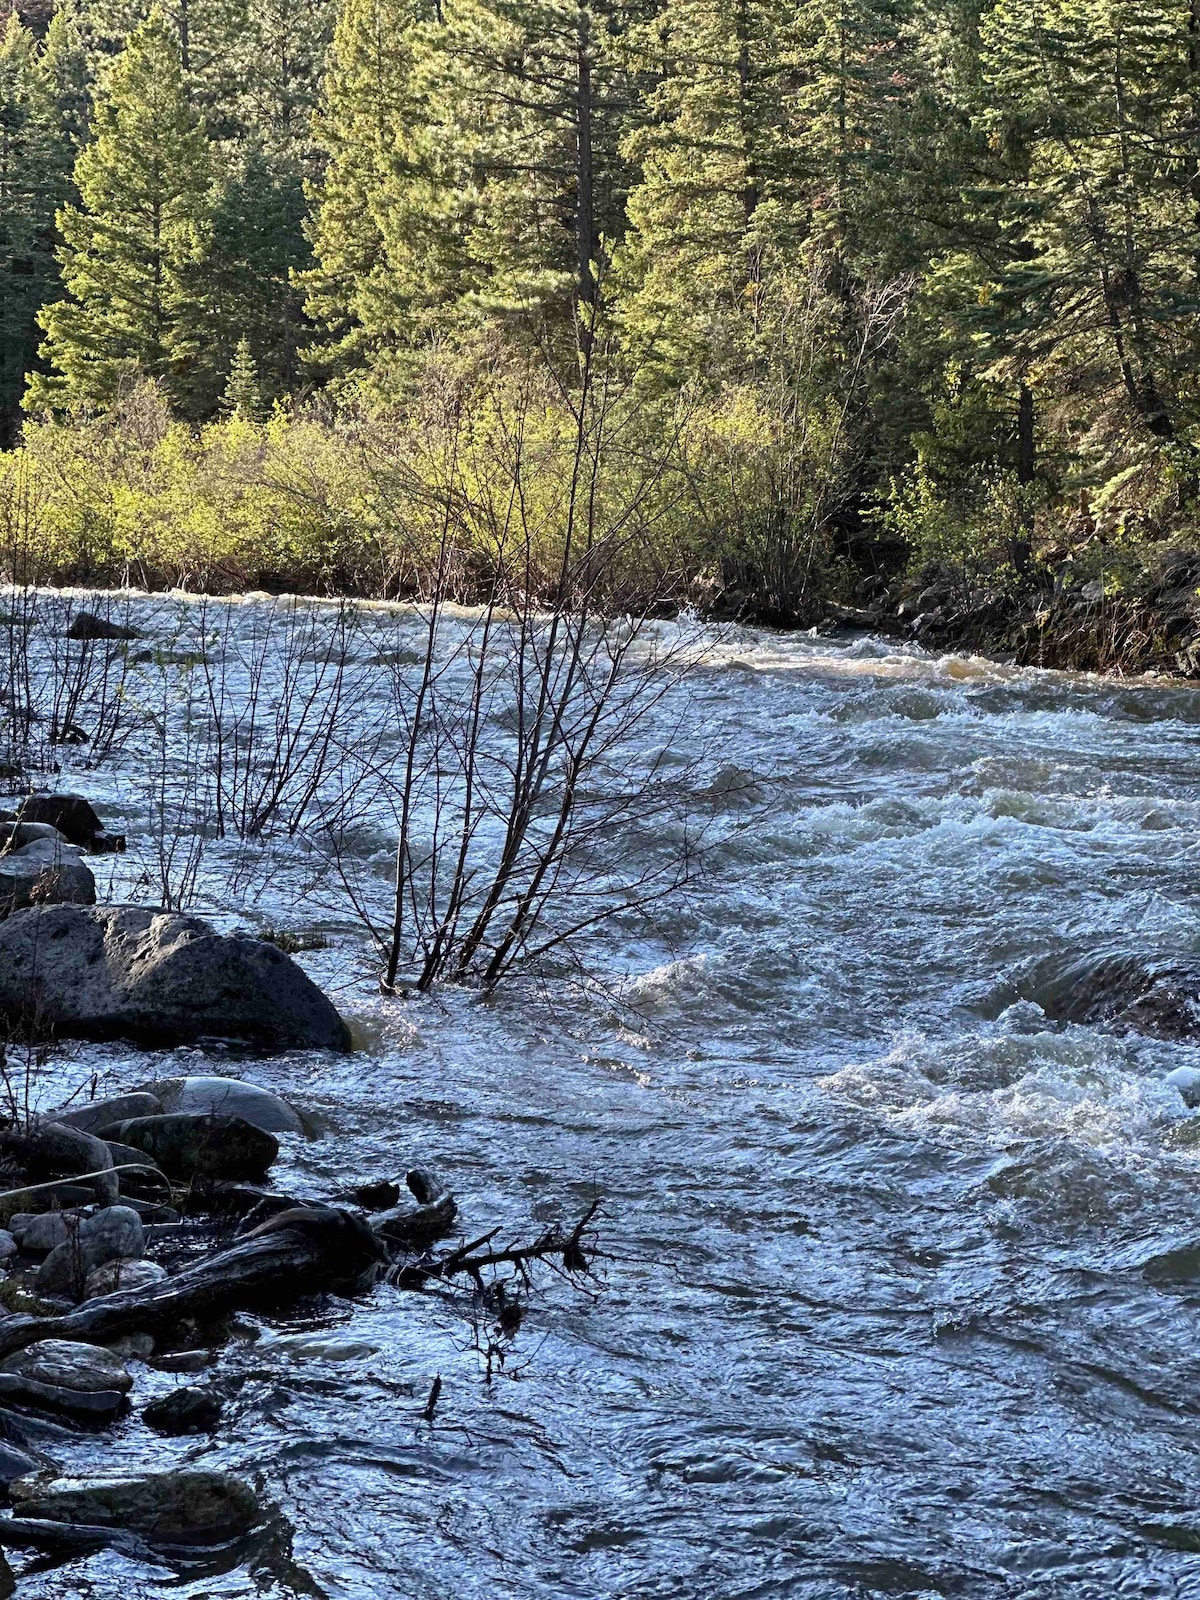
(14, 1463)
(43, 873)
(158, 978)
(14, 835)
(37, 1232)
(1126, 992)
(8, 1245)
(211, 1148)
(87, 626)
(81, 1381)
(122, 1273)
(114, 1234)
(92, 1115)
(228, 1097)
(187, 1508)
(73, 818)
(190, 1409)
(49, 1150)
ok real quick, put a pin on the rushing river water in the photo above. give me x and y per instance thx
(874, 1320)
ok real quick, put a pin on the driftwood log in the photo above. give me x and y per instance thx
(307, 1250)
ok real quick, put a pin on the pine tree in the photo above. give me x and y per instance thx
(35, 165)
(716, 211)
(243, 397)
(383, 238)
(132, 247)
(535, 96)
(256, 250)
(1094, 108)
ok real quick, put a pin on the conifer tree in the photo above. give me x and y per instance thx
(536, 96)
(243, 394)
(383, 237)
(133, 245)
(1094, 107)
(716, 209)
(35, 165)
(256, 250)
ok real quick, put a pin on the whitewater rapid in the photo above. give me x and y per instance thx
(873, 1320)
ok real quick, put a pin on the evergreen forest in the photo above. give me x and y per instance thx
(830, 290)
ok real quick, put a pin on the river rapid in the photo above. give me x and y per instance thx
(873, 1320)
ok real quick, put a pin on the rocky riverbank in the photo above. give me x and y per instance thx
(136, 1227)
(1072, 627)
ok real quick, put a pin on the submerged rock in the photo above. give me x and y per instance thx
(87, 626)
(166, 1507)
(210, 1147)
(44, 872)
(229, 1097)
(190, 1409)
(157, 977)
(1127, 993)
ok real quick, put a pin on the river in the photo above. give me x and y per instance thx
(872, 1320)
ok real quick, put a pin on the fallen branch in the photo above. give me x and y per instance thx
(474, 1258)
(307, 1250)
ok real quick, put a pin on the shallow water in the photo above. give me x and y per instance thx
(874, 1319)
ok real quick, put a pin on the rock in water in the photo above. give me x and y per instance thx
(166, 1507)
(70, 814)
(86, 625)
(226, 1097)
(92, 1115)
(42, 873)
(114, 1234)
(1117, 990)
(213, 1148)
(191, 1409)
(156, 977)
(74, 1380)
(49, 1150)
(74, 818)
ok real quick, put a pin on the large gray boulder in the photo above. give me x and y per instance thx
(224, 1097)
(75, 1380)
(92, 1115)
(44, 872)
(158, 978)
(166, 1507)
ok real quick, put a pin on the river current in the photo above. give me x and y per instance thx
(873, 1320)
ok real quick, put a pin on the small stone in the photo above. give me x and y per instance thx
(115, 1276)
(186, 1360)
(168, 1507)
(190, 1409)
(133, 1347)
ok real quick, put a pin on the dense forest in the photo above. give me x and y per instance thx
(846, 286)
